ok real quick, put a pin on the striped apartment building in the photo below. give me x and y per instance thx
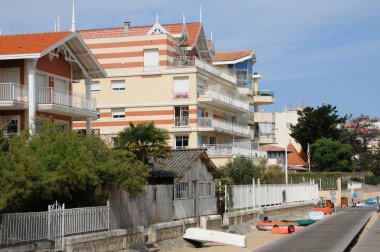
(170, 74)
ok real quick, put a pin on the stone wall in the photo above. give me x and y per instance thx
(170, 230)
(112, 241)
(40, 246)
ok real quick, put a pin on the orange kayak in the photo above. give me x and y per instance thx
(325, 210)
(285, 230)
(268, 225)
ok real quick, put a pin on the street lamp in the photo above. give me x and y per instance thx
(287, 125)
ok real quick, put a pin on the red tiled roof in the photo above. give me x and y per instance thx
(29, 43)
(231, 55)
(192, 30)
(294, 157)
(269, 147)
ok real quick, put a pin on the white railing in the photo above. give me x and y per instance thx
(191, 61)
(222, 125)
(33, 226)
(254, 196)
(65, 98)
(207, 206)
(13, 92)
(183, 208)
(233, 100)
(233, 150)
(181, 121)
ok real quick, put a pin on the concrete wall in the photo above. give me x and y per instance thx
(40, 246)
(170, 230)
(112, 241)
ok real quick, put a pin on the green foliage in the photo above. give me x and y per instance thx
(241, 171)
(370, 180)
(64, 166)
(370, 161)
(146, 141)
(317, 123)
(356, 179)
(221, 185)
(331, 155)
(327, 180)
(273, 175)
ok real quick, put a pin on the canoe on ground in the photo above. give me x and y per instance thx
(316, 215)
(302, 223)
(268, 225)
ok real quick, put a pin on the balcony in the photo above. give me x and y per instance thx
(232, 102)
(265, 127)
(233, 150)
(219, 125)
(263, 97)
(181, 121)
(62, 102)
(195, 62)
(13, 96)
(264, 117)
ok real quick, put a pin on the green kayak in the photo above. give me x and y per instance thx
(302, 223)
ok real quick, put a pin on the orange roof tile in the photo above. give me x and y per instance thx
(231, 55)
(192, 30)
(29, 43)
(294, 157)
(269, 147)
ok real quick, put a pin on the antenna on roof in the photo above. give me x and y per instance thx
(183, 18)
(211, 35)
(200, 13)
(58, 25)
(157, 18)
(73, 19)
(55, 26)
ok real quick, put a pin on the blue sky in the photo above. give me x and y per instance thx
(309, 52)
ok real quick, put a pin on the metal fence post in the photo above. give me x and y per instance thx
(108, 214)
(63, 225)
(253, 193)
(49, 221)
(225, 199)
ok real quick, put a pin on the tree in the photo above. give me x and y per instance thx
(314, 124)
(68, 167)
(146, 141)
(331, 155)
(241, 171)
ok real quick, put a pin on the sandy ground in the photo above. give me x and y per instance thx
(255, 239)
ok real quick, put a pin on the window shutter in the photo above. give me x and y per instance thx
(151, 61)
(118, 85)
(181, 87)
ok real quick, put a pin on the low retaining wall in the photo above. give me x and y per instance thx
(211, 222)
(169, 230)
(112, 241)
(40, 246)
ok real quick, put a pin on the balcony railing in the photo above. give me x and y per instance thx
(193, 61)
(13, 92)
(233, 150)
(181, 121)
(222, 125)
(65, 98)
(230, 99)
(264, 93)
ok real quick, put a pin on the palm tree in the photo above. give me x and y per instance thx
(146, 141)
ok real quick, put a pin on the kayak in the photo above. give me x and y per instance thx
(302, 223)
(325, 210)
(268, 225)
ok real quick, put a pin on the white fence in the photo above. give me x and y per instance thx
(13, 92)
(53, 224)
(256, 195)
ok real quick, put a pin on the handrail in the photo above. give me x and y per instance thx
(231, 99)
(223, 125)
(13, 92)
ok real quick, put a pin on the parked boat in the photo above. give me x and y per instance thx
(313, 215)
(302, 223)
(268, 225)
(325, 210)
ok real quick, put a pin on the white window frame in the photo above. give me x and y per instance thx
(118, 85)
(118, 113)
(182, 190)
(5, 120)
(151, 59)
(95, 86)
(181, 147)
(181, 87)
(202, 189)
(184, 115)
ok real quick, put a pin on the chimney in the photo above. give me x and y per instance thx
(126, 28)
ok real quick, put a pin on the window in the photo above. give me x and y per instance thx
(151, 61)
(266, 129)
(114, 141)
(182, 190)
(181, 87)
(95, 86)
(118, 85)
(181, 115)
(12, 127)
(98, 114)
(61, 126)
(118, 113)
(181, 142)
(205, 189)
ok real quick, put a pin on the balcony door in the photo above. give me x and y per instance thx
(181, 115)
(61, 92)
(8, 90)
(11, 75)
(43, 92)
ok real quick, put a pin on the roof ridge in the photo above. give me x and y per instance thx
(35, 33)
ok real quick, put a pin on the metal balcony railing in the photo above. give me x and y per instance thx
(222, 125)
(233, 150)
(230, 99)
(184, 61)
(181, 121)
(264, 93)
(65, 98)
(13, 92)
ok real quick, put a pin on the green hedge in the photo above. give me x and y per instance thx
(326, 180)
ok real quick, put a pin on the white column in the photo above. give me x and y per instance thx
(88, 81)
(31, 70)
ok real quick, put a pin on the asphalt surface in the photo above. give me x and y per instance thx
(335, 233)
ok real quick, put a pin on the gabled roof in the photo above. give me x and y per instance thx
(172, 29)
(268, 147)
(232, 57)
(180, 161)
(294, 158)
(37, 45)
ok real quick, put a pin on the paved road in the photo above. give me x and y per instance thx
(334, 233)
